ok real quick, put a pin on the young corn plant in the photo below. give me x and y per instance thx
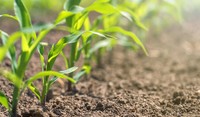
(46, 66)
(29, 44)
(85, 35)
(79, 27)
(107, 24)
(75, 24)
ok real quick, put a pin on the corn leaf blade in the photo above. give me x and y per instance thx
(4, 101)
(70, 70)
(106, 9)
(127, 33)
(69, 4)
(48, 73)
(9, 16)
(22, 14)
(11, 51)
(35, 91)
(57, 49)
(9, 43)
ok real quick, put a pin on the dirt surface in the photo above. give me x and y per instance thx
(164, 84)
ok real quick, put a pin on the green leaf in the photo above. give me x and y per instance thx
(78, 52)
(102, 44)
(24, 43)
(4, 101)
(9, 16)
(63, 15)
(99, 34)
(73, 38)
(102, 7)
(35, 90)
(131, 16)
(38, 28)
(87, 68)
(40, 49)
(87, 25)
(40, 37)
(22, 14)
(87, 38)
(10, 77)
(78, 75)
(24, 19)
(47, 73)
(78, 24)
(57, 49)
(77, 9)
(65, 59)
(11, 51)
(23, 61)
(102, 1)
(69, 4)
(124, 41)
(50, 82)
(69, 70)
(9, 43)
(127, 33)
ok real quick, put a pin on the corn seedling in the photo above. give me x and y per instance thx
(29, 43)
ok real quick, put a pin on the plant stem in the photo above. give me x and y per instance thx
(44, 91)
(15, 99)
(71, 62)
(16, 92)
(99, 58)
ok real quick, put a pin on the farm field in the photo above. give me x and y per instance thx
(164, 83)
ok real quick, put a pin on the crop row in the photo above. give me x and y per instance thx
(89, 38)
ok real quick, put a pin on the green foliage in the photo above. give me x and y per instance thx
(34, 5)
(154, 14)
(87, 38)
(4, 101)
(29, 42)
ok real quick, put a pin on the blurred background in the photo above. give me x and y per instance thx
(147, 10)
(152, 13)
(144, 8)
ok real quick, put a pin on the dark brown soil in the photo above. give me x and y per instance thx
(164, 84)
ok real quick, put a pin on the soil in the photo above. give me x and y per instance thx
(164, 84)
